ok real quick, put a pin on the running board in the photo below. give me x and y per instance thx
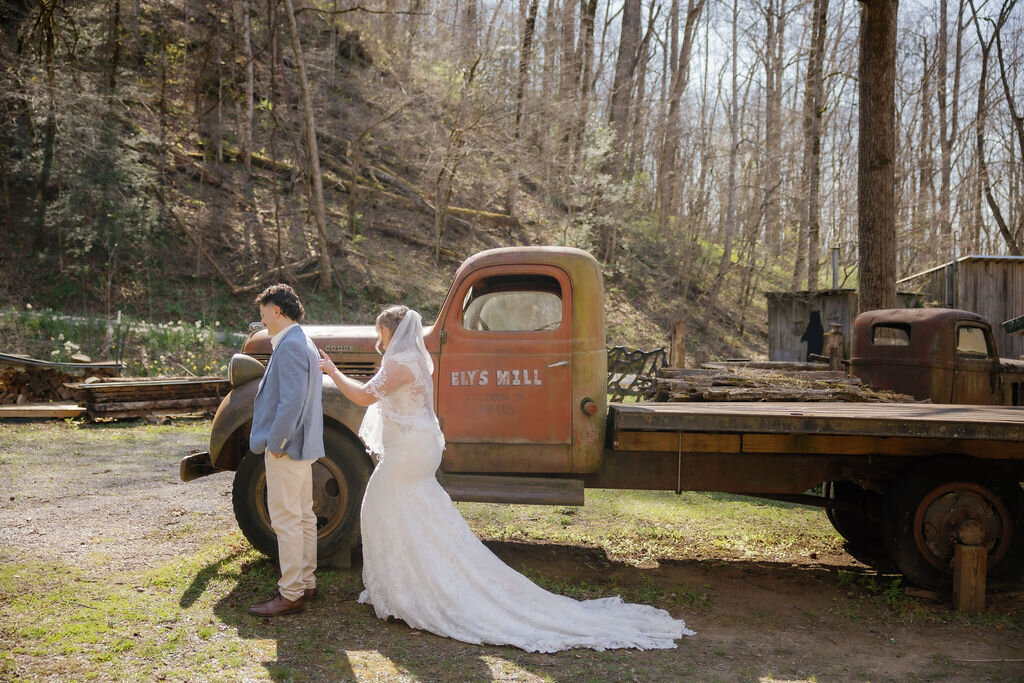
(491, 488)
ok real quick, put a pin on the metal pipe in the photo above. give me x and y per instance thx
(835, 267)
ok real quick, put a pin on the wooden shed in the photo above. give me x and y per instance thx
(991, 286)
(797, 321)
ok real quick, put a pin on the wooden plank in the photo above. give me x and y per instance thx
(670, 441)
(969, 567)
(912, 420)
(137, 408)
(15, 360)
(42, 410)
(816, 444)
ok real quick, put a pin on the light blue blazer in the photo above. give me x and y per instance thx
(288, 413)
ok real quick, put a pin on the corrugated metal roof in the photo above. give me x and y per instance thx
(971, 257)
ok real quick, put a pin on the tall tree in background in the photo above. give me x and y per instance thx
(949, 109)
(312, 154)
(813, 109)
(774, 12)
(622, 84)
(525, 55)
(876, 155)
(679, 57)
(1008, 229)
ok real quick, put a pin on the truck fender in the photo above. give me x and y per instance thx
(235, 413)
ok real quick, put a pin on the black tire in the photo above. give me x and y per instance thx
(930, 507)
(861, 529)
(339, 480)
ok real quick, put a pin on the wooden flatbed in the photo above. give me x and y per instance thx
(885, 420)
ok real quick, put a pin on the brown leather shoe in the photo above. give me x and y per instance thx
(310, 593)
(278, 605)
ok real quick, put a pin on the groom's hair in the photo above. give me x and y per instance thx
(284, 297)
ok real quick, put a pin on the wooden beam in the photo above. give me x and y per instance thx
(42, 410)
(969, 567)
(816, 444)
(674, 441)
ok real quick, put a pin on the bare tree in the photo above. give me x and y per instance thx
(949, 109)
(312, 153)
(525, 55)
(680, 75)
(812, 119)
(1011, 233)
(622, 84)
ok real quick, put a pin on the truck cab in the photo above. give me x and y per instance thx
(938, 354)
(520, 391)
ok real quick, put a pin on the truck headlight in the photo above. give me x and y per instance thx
(243, 369)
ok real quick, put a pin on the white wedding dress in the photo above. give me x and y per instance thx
(423, 564)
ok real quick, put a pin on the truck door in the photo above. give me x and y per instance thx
(974, 378)
(505, 382)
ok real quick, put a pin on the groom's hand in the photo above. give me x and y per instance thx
(277, 455)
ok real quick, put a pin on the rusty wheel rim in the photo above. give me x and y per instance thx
(330, 497)
(947, 508)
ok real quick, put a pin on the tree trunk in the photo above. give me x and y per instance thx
(588, 10)
(813, 108)
(876, 155)
(622, 85)
(774, 65)
(729, 226)
(640, 111)
(673, 127)
(948, 120)
(569, 75)
(49, 40)
(924, 222)
(525, 56)
(312, 154)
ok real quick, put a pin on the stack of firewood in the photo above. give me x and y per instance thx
(31, 384)
(744, 383)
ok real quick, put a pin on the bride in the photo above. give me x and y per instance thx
(421, 561)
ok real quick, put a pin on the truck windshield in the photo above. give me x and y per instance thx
(513, 303)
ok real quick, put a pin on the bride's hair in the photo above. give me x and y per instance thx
(391, 317)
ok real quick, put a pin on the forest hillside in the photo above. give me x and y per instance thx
(169, 158)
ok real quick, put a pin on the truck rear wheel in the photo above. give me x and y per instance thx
(949, 501)
(860, 528)
(339, 479)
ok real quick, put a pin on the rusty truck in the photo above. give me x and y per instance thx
(520, 390)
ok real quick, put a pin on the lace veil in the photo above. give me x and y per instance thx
(407, 402)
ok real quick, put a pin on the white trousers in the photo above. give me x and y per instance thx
(290, 503)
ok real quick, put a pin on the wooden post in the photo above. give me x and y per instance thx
(677, 354)
(833, 347)
(969, 567)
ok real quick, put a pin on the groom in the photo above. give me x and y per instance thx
(288, 427)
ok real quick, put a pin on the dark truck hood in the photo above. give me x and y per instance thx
(334, 339)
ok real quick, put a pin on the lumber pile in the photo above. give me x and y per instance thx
(726, 382)
(137, 397)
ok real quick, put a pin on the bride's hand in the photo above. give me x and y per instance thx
(326, 364)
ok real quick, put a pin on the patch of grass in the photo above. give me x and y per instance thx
(653, 525)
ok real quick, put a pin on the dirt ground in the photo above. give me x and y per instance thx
(116, 493)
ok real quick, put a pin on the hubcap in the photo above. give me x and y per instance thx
(961, 512)
(330, 497)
